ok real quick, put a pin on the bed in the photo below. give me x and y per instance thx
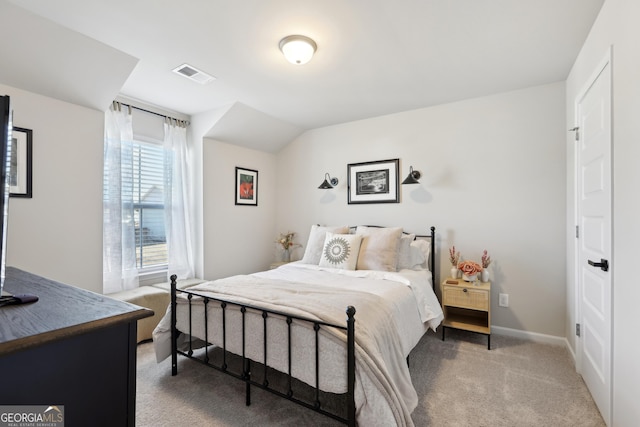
(336, 326)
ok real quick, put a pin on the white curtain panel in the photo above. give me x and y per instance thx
(118, 249)
(176, 200)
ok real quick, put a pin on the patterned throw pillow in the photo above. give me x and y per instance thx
(317, 236)
(340, 251)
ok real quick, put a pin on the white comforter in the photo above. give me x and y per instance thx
(393, 310)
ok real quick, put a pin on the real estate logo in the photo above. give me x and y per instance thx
(31, 415)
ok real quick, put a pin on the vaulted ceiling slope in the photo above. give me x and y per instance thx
(43, 57)
(374, 57)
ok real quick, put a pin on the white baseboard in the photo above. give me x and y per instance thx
(530, 336)
(536, 337)
(572, 353)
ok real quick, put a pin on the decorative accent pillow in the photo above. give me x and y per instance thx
(420, 252)
(340, 251)
(379, 248)
(404, 251)
(315, 243)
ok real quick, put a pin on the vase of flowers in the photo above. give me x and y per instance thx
(486, 260)
(286, 242)
(454, 257)
(470, 270)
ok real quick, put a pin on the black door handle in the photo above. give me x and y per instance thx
(603, 264)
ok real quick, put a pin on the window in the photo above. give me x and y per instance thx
(146, 219)
(143, 177)
(148, 205)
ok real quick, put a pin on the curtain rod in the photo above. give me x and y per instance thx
(186, 122)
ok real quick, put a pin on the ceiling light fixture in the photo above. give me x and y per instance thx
(298, 49)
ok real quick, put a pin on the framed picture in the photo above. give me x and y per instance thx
(373, 182)
(21, 161)
(246, 187)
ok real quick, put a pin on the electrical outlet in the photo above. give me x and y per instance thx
(504, 300)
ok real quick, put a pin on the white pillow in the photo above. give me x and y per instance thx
(420, 252)
(404, 251)
(340, 251)
(315, 243)
(379, 248)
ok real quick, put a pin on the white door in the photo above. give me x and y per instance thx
(593, 178)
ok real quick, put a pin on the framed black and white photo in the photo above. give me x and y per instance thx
(21, 161)
(246, 187)
(373, 182)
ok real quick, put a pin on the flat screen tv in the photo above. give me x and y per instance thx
(5, 153)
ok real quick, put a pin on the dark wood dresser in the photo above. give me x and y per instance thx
(73, 347)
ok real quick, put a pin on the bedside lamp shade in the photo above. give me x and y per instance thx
(413, 177)
(328, 182)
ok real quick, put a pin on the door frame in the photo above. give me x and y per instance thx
(598, 70)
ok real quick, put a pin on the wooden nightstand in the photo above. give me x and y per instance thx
(467, 306)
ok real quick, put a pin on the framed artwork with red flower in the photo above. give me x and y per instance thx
(246, 187)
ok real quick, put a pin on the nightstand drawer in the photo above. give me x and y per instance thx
(465, 297)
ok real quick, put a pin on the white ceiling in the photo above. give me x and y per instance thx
(374, 57)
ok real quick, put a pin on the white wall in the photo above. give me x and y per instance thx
(492, 167)
(493, 177)
(58, 233)
(236, 239)
(616, 27)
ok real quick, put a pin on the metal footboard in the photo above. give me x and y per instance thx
(245, 373)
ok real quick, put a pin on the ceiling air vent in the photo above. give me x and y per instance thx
(192, 73)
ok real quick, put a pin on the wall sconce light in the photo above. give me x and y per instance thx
(298, 49)
(413, 177)
(328, 182)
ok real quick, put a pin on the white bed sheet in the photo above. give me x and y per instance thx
(410, 291)
(410, 308)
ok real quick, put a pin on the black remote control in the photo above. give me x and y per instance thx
(25, 298)
(18, 299)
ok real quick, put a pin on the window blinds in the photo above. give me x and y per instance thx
(148, 186)
(143, 185)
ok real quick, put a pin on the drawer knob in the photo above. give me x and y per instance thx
(464, 290)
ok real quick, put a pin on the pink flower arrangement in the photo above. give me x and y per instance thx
(469, 267)
(454, 256)
(486, 259)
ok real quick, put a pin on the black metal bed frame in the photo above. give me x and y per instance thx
(245, 374)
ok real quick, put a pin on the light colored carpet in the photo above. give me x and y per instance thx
(459, 382)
